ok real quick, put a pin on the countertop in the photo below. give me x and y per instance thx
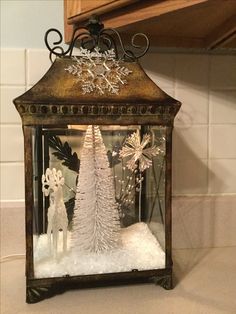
(205, 283)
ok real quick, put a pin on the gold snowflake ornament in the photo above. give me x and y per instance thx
(134, 147)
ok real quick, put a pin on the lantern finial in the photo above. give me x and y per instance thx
(94, 25)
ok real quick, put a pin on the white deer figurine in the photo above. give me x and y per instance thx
(52, 183)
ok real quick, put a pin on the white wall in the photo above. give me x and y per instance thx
(23, 25)
(204, 145)
(24, 22)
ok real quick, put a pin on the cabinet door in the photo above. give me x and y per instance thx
(76, 7)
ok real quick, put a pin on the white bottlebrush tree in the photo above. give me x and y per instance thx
(96, 225)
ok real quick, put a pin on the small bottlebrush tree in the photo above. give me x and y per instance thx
(96, 223)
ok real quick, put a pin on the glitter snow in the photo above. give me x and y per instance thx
(140, 250)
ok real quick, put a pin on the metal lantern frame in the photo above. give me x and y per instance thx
(55, 102)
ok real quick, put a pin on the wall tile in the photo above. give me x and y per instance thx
(190, 177)
(223, 106)
(8, 112)
(190, 142)
(191, 70)
(12, 66)
(160, 68)
(222, 177)
(12, 181)
(223, 72)
(222, 141)
(194, 109)
(37, 64)
(205, 221)
(12, 145)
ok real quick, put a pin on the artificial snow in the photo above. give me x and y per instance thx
(139, 250)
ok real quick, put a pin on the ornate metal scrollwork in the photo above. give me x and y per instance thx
(96, 110)
(94, 35)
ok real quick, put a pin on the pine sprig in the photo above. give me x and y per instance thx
(64, 152)
(70, 204)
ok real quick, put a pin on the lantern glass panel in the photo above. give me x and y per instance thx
(136, 157)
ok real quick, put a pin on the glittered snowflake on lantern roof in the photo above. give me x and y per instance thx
(98, 71)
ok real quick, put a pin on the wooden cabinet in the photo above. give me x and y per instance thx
(77, 8)
(206, 24)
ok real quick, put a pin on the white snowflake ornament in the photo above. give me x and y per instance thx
(134, 147)
(98, 71)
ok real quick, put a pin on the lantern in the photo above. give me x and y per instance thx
(97, 136)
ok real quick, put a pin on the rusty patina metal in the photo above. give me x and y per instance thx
(57, 100)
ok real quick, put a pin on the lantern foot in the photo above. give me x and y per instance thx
(37, 294)
(164, 281)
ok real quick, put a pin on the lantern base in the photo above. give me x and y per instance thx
(40, 289)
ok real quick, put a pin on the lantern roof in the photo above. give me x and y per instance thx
(59, 87)
(59, 93)
(95, 83)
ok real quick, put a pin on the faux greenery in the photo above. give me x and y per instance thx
(64, 152)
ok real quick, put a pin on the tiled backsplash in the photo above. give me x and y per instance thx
(204, 150)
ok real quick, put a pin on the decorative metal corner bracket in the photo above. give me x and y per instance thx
(36, 294)
(164, 281)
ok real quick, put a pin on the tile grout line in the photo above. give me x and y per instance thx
(208, 122)
(173, 175)
(12, 85)
(4, 124)
(222, 124)
(174, 75)
(203, 195)
(26, 69)
(16, 162)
